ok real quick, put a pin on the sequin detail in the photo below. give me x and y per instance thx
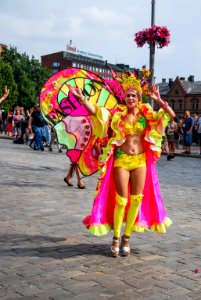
(137, 127)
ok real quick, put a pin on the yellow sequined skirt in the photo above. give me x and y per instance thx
(127, 161)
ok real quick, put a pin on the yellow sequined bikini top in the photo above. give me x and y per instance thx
(136, 127)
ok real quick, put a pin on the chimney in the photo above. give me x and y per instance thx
(191, 78)
(163, 80)
(170, 82)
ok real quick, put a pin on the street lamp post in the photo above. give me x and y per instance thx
(152, 48)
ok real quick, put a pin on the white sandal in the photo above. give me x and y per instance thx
(115, 250)
(125, 250)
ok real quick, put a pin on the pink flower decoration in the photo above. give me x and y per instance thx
(159, 35)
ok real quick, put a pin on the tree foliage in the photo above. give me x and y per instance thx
(28, 75)
(7, 78)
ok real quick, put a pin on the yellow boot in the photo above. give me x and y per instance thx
(135, 202)
(118, 219)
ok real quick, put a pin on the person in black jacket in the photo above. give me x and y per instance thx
(36, 124)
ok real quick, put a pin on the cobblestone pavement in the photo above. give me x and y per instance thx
(46, 253)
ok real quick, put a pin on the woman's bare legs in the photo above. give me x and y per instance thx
(69, 175)
(74, 168)
(80, 183)
(137, 180)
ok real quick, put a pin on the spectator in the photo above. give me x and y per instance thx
(172, 129)
(199, 132)
(53, 138)
(36, 124)
(187, 129)
(180, 132)
(17, 118)
(195, 129)
(9, 129)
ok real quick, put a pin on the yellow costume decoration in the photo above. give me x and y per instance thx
(121, 202)
(136, 127)
(129, 162)
(135, 202)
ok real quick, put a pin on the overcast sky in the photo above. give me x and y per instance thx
(106, 27)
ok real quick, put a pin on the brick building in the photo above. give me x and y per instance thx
(182, 94)
(2, 47)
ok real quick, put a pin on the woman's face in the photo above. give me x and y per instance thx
(131, 98)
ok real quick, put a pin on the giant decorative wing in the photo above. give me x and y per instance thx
(72, 122)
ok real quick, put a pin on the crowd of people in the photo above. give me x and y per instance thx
(183, 132)
(28, 127)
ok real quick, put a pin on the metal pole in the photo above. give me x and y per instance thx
(152, 48)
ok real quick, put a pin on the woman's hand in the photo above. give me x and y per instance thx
(6, 92)
(155, 94)
(77, 92)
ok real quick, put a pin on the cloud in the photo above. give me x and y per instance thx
(105, 27)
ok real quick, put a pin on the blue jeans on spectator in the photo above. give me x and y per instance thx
(46, 134)
(188, 139)
(38, 144)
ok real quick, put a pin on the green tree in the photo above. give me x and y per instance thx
(29, 76)
(7, 78)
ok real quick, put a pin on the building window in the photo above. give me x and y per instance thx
(194, 104)
(74, 65)
(180, 102)
(55, 64)
(172, 103)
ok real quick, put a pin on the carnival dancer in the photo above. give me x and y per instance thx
(128, 188)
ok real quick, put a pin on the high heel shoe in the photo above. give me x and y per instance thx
(81, 185)
(115, 250)
(68, 183)
(125, 250)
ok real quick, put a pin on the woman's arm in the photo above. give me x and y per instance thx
(155, 95)
(6, 93)
(77, 92)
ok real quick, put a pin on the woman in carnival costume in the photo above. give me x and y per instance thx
(128, 189)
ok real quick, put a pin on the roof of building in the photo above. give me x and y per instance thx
(190, 86)
(163, 87)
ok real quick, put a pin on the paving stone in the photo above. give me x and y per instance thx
(47, 254)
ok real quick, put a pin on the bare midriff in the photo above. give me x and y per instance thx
(133, 144)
